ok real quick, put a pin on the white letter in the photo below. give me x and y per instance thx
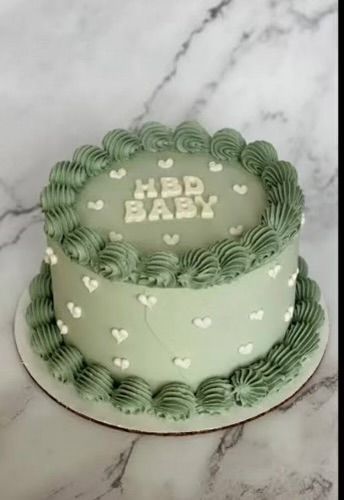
(170, 187)
(207, 211)
(185, 208)
(142, 188)
(134, 211)
(193, 185)
(159, 208)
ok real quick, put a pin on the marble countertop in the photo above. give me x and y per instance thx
(72, 70)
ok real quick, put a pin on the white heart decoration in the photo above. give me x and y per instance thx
(121, 363)
(74, 310)
(147, 300)
(115, 236)
(257, 315)
(236, 230)
(273, 272)
(62, 327)
(166, 163)
(215, 167)
(90, 284)
(246, 348)
(171, 239)
(95, 205)
(182, 362)
(292, 279)
(303, 219)
(119, 334)
(202, 322)
(50, 257)
(289, 314)
(240, 188)
(118, 174)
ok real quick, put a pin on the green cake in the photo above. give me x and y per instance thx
(172, 282)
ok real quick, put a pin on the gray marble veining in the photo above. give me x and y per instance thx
(70, 71)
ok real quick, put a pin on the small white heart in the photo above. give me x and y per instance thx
(118, 174)
(236, 230)
(303, 219)
(257, 315)
(215, 167)
(115, 236)
(202, 322)
(90, 284)
(240, 188)
(171, 239)
(182, 362)
(147, 300)
(289, 314)
(292, 279)
(62, 327)
(246, 348)
(273, 271)
(95, 205)
(119, 334)
(121, 363)
(50, 257)
(166, 163)
(74, 310)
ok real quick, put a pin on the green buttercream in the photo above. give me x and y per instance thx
(278, 172)
(262, 242)
(83, 245)
(94, 382)
(56, 195)
(233, 258)
(160, 269)
(133, 395)
(303, 268)
(307, 289)
(118, 261)
(121, 144)
(68, 173)
(92, 158)
(40, 286)
(190, 137)
(45, 339)
(214, 395)
(287, 193)
(40, 310)
(302, 337)
(309, 312)
(65, 363)
(257, 155)
(226, 144)
(59, 222)
(156, 137)
(284, 219)
(285, 359)
(174, 401)
(198, 268)
(248, 386)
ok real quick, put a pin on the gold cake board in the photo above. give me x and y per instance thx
(106, 414)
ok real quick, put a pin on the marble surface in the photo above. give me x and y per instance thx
(72, 70)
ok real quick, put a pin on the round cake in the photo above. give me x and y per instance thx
(172, 282)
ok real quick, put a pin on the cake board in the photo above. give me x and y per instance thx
(104, 413)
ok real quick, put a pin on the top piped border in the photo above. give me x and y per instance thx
(196, 268)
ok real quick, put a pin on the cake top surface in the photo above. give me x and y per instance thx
(172, 201)
(173, 207)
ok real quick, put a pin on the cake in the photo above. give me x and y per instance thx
(171, 282)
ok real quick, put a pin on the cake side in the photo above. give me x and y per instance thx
(245, 386)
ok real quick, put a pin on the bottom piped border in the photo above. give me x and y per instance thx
(245, 386)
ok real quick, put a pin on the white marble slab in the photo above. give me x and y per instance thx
(70, 71)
